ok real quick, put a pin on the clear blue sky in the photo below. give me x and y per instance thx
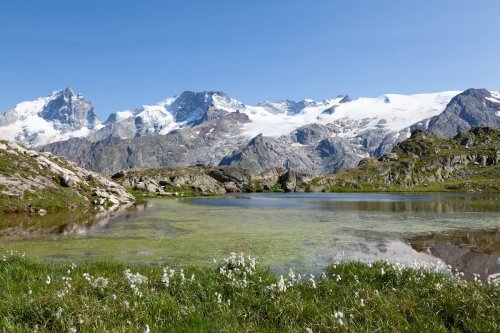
(121, 54)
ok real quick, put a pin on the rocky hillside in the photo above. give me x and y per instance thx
(33, 182)
(467, 162)
(205, 180)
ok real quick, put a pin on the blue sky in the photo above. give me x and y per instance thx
(121, 54)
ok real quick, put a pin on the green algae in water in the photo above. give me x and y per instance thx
(282, 230)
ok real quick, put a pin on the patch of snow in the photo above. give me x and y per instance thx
(495, 97)
(401, 112)
(296, 144)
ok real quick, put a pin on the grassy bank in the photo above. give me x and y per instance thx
(236, 295)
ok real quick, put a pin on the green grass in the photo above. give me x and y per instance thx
(50, 199)
(251, 300)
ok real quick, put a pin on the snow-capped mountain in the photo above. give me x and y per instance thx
(59, 116)
(393, 112)
(184, 110)
(213, 128)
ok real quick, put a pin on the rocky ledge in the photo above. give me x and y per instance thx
(206, 180)
(33, 182)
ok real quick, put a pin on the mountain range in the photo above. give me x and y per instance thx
(212, 128)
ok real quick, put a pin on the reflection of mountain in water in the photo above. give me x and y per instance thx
(17, 227)
(388, 250)
(415, 203)
(469, 251)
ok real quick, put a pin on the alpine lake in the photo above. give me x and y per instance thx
(304, 231)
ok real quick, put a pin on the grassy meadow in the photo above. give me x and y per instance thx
(236, 294)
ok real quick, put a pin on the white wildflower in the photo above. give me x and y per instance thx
(338, 315)
(183, 278)
(59, 313)
(312, 281)
(165, 278)
(218, 298)
(281, 284)
(48, 280)
(135, 280)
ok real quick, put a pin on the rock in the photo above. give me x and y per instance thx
(231, 187)
(69, 180)
(238, 180)
(152, 188)
(164, 182)
(140, 186)
(119, 174)
(293, 181)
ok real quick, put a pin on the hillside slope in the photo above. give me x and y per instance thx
(467, 162)
(32, 182)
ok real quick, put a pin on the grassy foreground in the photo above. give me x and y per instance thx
(236, 295)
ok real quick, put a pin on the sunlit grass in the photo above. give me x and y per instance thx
(238, 295)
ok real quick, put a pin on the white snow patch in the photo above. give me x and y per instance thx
(401, 112)
(495, 97)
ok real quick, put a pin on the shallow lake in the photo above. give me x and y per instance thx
(301, 231)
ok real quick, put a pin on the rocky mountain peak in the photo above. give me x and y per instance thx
(190, 106)
(69, 90)
(69, 111)
(471, 108)
(345, 99)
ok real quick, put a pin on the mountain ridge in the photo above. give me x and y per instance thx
(315, 137)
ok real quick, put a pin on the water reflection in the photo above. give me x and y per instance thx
(387, 202)
(468, 251)
(428, 204)
(73, 222)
